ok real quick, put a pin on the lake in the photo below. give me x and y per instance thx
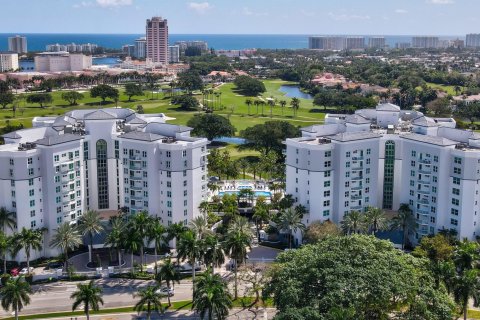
(293, 91)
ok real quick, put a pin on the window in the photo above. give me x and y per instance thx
(169, 184)
(184, 193)
(30, 171)
(167, 163)
(12, 183)
(169, 204)
(457, 160)
(184, 173)
(368, 161)
(169, 154)
(56, 158)
(33, 224)
(434, 189)
(31, 192)
(456, 191)
(457, 170)
(412, 173)
(30, 182)
(347, 184)
(169, 194)
(59, 220)
(347, 174)
(367, 171)
(169, 174)
(435, 169)
(328, 154)
(369, 151)
(32, 203)
(184, 153)
(29, 160)
(412, 183)
(348, 154)
(326, 193)
(326, 203)
(455, 202)
(328, 164)
(326, 183)
(454, 211)
(435, 158)
(327, 174)
(367, 180)
(347, 193)
(412, 163)
(347, 203)
(456, 180)
(414, 153)
(454, 222)
(435, 179)
(185, 182)
(412, 193)
(326, 213)
(13, 193)
(102, 174)
(347, 164)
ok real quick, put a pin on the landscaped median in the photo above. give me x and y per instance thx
(246, 302)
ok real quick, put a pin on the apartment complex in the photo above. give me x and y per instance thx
(377, 42)
(140, 48)
(61, 61)
(157, 40)
(129, 50)
(8, 61)
(384, 158)
(336, 43)
(17, 44)
(173, 54)
(425, 42)
(72, 47)
(101, 160)
(183, 45)
(473, 40)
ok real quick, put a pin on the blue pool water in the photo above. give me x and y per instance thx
(257, 193)
(231, 140)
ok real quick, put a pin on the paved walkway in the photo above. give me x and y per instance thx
(80, 261)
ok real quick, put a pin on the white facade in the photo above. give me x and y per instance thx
(8, 61)
(173, 54)
(425, 42)
(101, 160)
(72, 47)
(386, 157)
(62, 61)
(376, 42)
(17, 44)
(473, 40)
(140, 48)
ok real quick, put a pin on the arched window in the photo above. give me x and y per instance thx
(388, 174)
(102, 174)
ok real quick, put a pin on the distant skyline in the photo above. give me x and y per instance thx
(309, 17)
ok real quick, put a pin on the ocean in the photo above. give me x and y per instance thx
(38, 41)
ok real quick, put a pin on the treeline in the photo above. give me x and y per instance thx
(336, 98)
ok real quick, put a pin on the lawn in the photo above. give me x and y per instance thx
(448, 89)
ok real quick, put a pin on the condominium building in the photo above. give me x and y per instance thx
(61, 61)
(326, 43)
(183, 45)
(17, 44)
(101, 160)
(473, 40)
(403, 45)
(376, 42)
(384, 158)
(425, 42)
(129, 50)
(140, 48)
(8, 61)
(72, 47)
(157, 40)
(173, 54)
(354, 43)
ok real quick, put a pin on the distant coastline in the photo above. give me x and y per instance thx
(38, 41)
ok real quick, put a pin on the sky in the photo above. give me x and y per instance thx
(362, 17)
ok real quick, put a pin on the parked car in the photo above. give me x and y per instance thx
(166, 291)
(55, 265)
(25, 271)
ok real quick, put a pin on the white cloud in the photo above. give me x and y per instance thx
(83, 4)
(401, 11)
(347, 17)
(247, 12)
(199, 7)
(307, 13)
(440, 1)
(104, 3)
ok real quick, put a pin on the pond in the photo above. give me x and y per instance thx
(293, 91)
(231, 140)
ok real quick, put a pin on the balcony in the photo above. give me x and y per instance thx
(423, 201)
(423, 212)
(357, 187)
(135, 178)
(139, 197)
(356, 208)
(357, 178)
(423, 181)
(425, 161)
(136, 187)
(423, 191)
(356, 197)
(357, 158)
(135, 166)
(135, 158)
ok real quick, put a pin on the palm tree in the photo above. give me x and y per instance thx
(295, 103)
(66, 237)
(211, 298)
(7, 219)
(375, 219)
(189, 247)
(291, 221)
(140, 223)
(5, 248)
(260, 213)
(156, 233)
(248, 102)
(404, 221)
(204, 207)
(467, 287)
(238, 239)
(89, 295)
(199, 226)
(174, 231)
(283, 103)
(213, 252)
(466, 255)
(115, 237)
(28, 239)
(353, 222)
(15, 295)
(132, 243)
(89, 225)
(150, 297)
(170, 274)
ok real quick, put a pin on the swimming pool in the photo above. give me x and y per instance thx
(257, 193)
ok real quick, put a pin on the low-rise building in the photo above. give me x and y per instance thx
(8, 61)
(61, 61)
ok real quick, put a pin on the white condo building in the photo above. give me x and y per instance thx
(101, 160)
(384, 158)
(17, 44)
(62, 61)
(173, 54)
(8, 61)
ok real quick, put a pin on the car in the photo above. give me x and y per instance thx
(55, 265)
(166, 291)
(25, 271)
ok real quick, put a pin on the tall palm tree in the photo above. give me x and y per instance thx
(115, 237)
(204, 207)
(150, 299)
(199, 226)
(211, 298)
(66, 237)
(7, 219)
(132, 243)
(5, 248)
(175, 230)
(15, 295)
(156, 233)
(140, 223)
(467, 287)
(295, 103)
(291, 221)
(28, 239)
(404, 221)
(248, 102)
(376, 219)
(170, 274)
(238, 240)
(190, 248)
(353, 222)
(260, 213)
(89, 295)
(283, 103)
(89, 225)
(214, 255)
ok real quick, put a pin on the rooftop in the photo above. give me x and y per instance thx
(439, 141)
(353, 136)
(58, 139)
(142, 136)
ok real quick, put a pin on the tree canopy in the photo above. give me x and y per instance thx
(249, 86)
(133, 89)
(104, 91)
(40, 98)
(360, 274)
(72, 97)
(211, 126)
(269, 136)
(190, 80)
(186, 102)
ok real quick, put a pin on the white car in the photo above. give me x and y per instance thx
(166, 291)
(25, 271)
